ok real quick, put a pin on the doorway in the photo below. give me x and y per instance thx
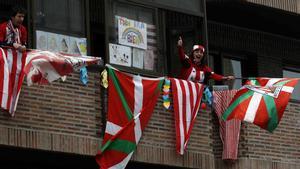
(190, 28)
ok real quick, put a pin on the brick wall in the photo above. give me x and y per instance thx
(66, 117)
(259, 148)
(159, 138)
(283, 145)
(287, 5)
(62, 116)
(232, 38)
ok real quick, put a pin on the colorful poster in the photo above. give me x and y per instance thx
(132, 33)
(119, 55)
(41, 40)
(78, 46)
(53, 42)
(138, 58)
(82, 45)
(63, 43)
(60, 43)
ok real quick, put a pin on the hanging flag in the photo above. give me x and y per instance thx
(229, 130)
(11, 74)
(186, 101)
(261, 101)
(131, 100)
(44, 67)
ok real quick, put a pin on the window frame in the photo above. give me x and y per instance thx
(163, 6)
(295, 70)
(191, 34)
(217, 62)
(160, 45)
(59, 31)
(235, 58)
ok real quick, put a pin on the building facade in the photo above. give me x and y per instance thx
(60, 125)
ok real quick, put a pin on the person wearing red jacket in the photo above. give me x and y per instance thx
(193, 68)
(12, 32)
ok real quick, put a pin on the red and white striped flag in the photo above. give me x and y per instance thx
(229, 130)
(11, 75)
(44, 67)
(186, 101)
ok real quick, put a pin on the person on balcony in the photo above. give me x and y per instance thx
(12, 32)
(193, 67)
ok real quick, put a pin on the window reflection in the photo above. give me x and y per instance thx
(68, 16)
(232, 67)
(291, 74)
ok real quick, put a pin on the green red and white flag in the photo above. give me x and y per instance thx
(131, 100)
(186, 101)
(261, 101)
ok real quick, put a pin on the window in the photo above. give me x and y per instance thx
(63, 16)
(234, 68)
(190, 6)
(60, 26)
(5, 9)
(133, 39)
(190, 28)
(291, 74)
(236, 63)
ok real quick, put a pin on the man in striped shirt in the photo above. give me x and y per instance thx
(193, 67)
(13, 33)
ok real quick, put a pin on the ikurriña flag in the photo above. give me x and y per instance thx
(261, 101)
(131, 101)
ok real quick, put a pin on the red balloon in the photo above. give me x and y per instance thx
(203, 106)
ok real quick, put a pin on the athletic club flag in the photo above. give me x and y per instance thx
(261, 101)
(11, 75)
(186, 101)
(43, 67)
(131, 100)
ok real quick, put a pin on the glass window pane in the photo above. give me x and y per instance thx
(76, 16)
(135, 13)
(57, 15)
(296, 92)
(142, 57)
(190, 5)
(232, 67)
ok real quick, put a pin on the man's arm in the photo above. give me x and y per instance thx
(3, 36)
(184, 59)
